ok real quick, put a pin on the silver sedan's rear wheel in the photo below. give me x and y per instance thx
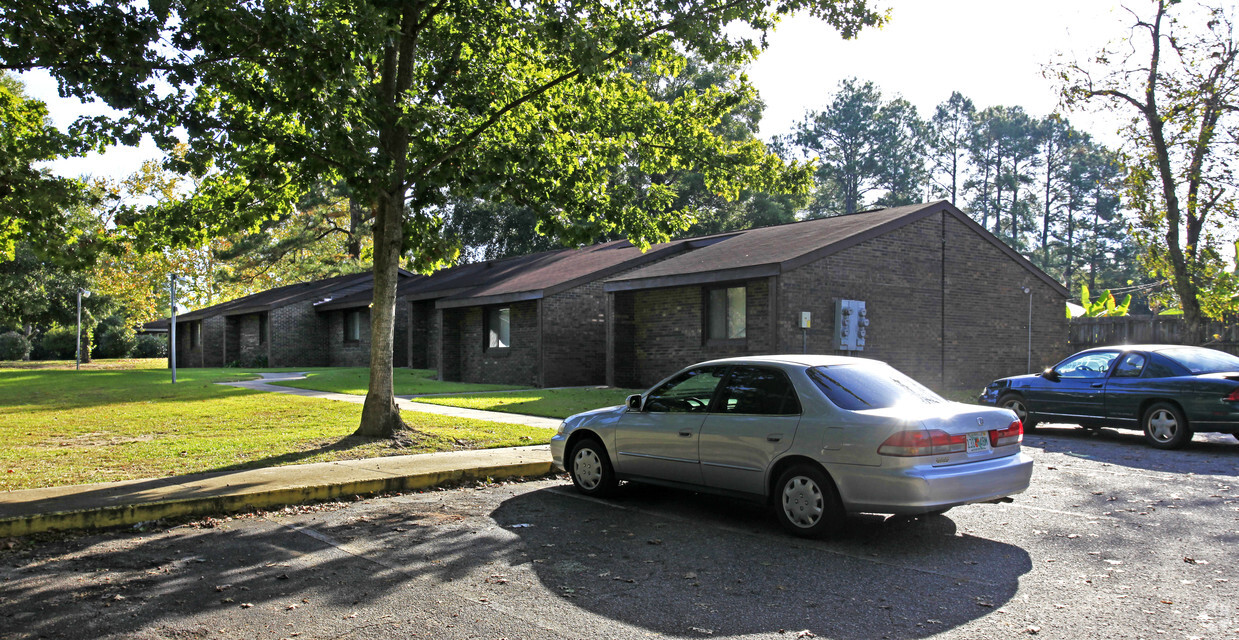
(1165, 427)
(807, 503)
(590, 468)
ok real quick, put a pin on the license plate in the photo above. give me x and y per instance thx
(978, 441)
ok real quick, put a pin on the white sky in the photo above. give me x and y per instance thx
(992, 51)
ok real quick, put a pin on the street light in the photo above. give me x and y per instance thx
(1028, 291)
(80, 292)
(172, 325)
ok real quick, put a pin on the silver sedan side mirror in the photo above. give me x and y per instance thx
(634, 402)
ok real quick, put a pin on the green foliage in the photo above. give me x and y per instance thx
(34, 204)
(413, 105)
(114, 339)
(1104, 305)
(14, 346)
(150, 346)
(57, 343)
(870, 150)
(1180, 85)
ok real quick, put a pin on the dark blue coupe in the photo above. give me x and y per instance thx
(1167, 391)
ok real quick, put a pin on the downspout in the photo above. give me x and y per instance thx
(942, 308)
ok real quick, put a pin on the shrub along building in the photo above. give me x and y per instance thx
(922, 287)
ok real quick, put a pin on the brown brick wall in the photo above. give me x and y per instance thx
(907, 279)
(898, 276)
(667, 331)
(987, 314)
(574, 337)
(945, 306)
(348, 353)
(517, 364)
(299, 337)
(421, 344)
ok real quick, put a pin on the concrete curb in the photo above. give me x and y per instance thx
(132, 502)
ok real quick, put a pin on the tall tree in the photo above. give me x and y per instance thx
(867, 148)
(34, 204)
(948, 133)
(1180, 81)
(411, 103)
(490, 228)
(1057, 141)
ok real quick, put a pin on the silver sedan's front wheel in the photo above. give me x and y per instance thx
(590, 468)
(807, 503)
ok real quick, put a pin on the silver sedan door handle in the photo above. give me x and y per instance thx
(774, 437)
(687, 433)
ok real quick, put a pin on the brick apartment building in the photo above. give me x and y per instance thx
(946, 302)
(295, 325)
(945, 299)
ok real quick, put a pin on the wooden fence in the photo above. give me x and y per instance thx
(1103, 332)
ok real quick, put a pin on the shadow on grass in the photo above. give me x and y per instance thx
(342, 445)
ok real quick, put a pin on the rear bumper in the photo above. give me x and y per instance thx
(925, 488)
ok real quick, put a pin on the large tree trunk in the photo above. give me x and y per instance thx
(380, 417)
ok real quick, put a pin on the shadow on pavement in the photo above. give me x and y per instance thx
(691, 565)
(1207, 453)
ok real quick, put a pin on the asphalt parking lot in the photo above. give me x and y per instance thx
(1113, 540)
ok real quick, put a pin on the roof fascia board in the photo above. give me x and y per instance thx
(690, 279)
(482, 301)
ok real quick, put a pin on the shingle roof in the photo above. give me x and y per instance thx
(545, 274)
(282, 296)
(768, 251)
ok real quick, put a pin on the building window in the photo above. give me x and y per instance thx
(725, 313)
(195, 335)
(263, 324)
(352, 325)
(498, 328)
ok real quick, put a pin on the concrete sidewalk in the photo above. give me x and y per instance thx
(125, 503)
(405, 404)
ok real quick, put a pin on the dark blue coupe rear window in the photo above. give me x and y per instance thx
(1197, 360)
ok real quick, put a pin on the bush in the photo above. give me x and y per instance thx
(59, 343)
(14, 346)
(115, 342)
(150, 346)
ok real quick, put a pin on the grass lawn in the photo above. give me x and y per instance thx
(119, 420)
(355, 380)
(549, 403)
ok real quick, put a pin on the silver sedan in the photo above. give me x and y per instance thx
(815, 436)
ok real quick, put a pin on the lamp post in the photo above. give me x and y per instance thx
(80, 293)
(1028, 291)
(172, 325)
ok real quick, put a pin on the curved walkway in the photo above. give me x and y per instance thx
(266, 384)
